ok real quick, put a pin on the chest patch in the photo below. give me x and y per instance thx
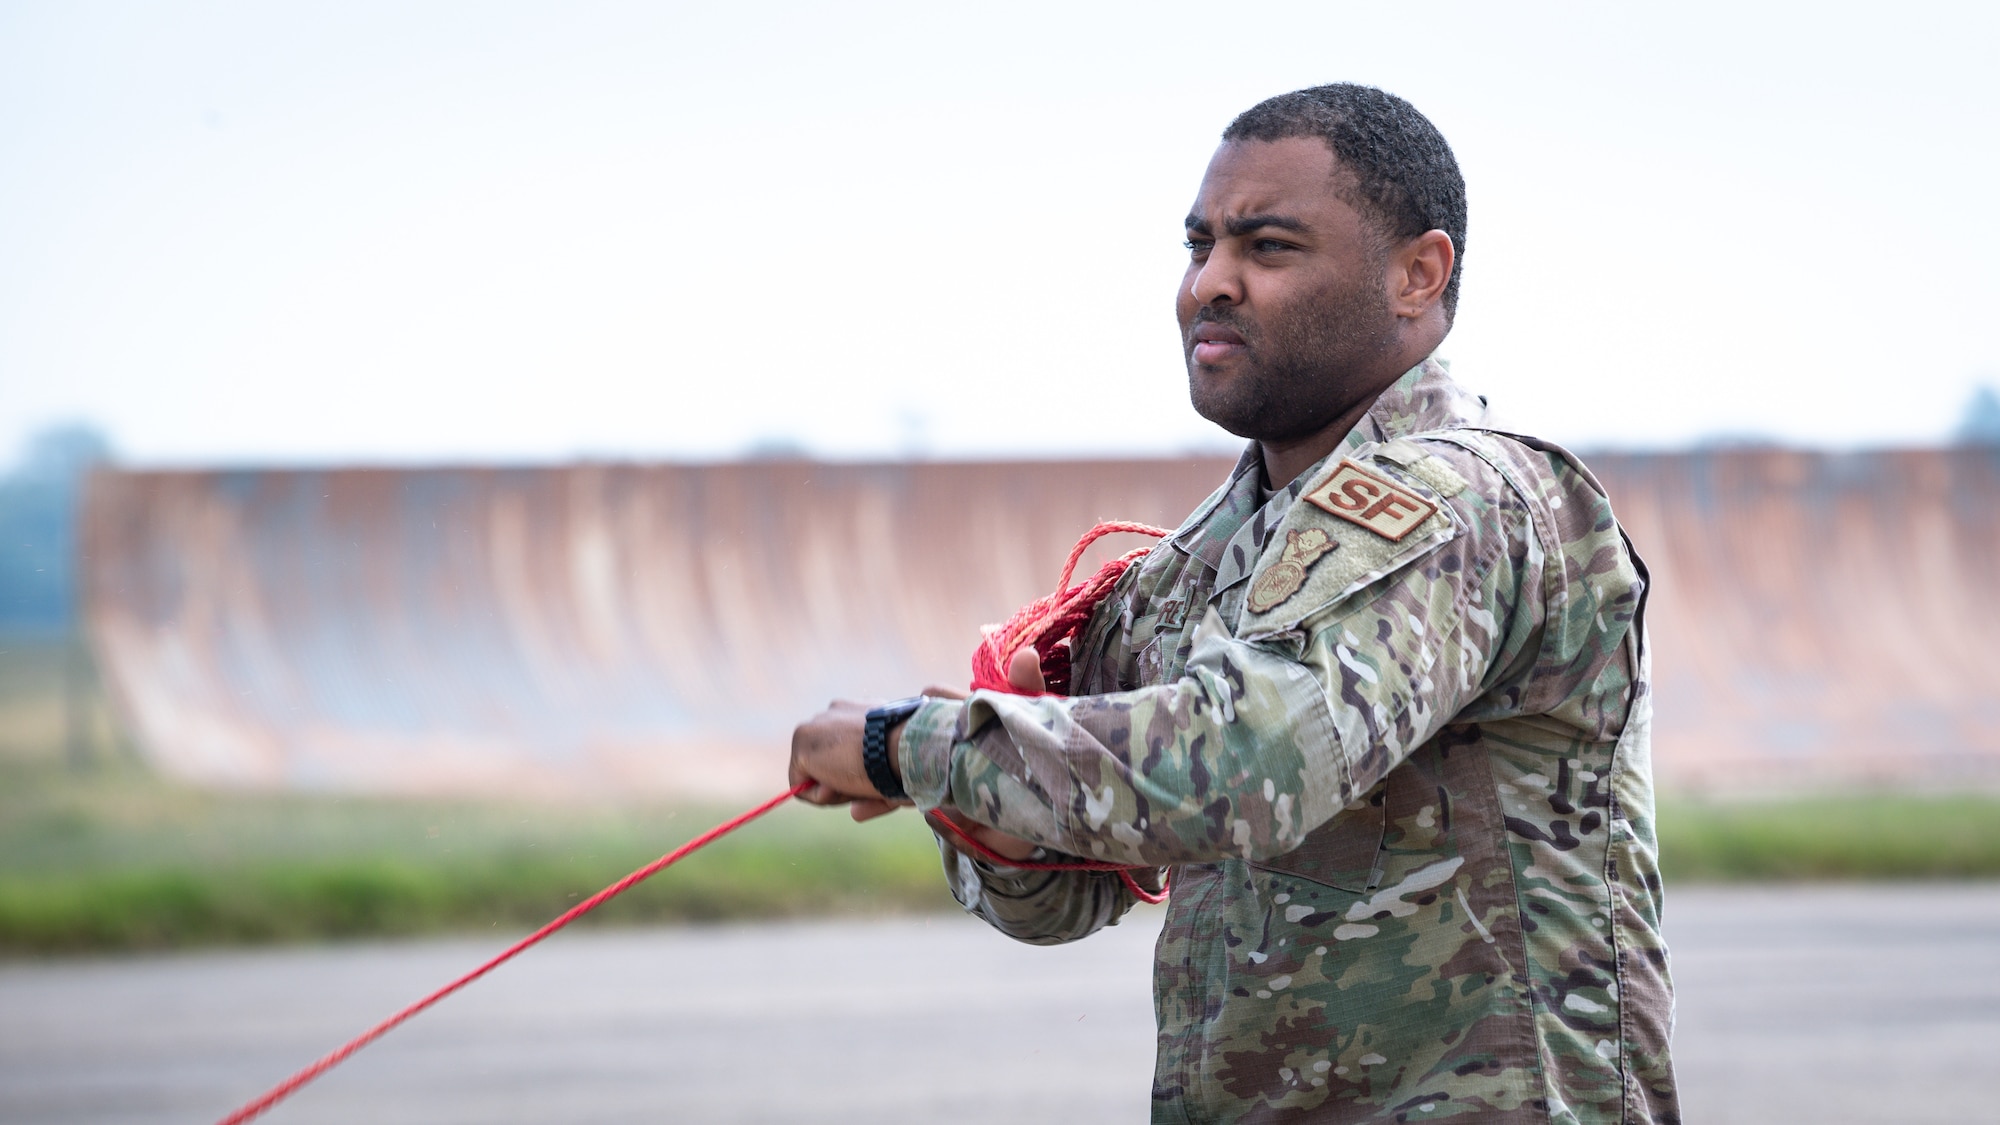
(1283, 578)
(1361, 496)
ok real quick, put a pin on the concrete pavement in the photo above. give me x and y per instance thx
(1829, 1005)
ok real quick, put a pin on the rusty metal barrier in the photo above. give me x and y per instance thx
(657, 629)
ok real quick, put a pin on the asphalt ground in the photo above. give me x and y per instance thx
(1824, 1004)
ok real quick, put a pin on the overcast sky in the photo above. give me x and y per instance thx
(421, 232)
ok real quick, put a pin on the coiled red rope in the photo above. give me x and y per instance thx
(286, 1088)
(1050, 624)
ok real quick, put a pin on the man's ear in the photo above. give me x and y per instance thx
(1418, 272)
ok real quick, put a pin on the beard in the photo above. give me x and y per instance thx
(1302, 369)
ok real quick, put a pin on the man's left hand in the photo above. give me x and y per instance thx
(826, 750)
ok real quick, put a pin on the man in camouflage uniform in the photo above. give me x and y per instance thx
(1380, 705)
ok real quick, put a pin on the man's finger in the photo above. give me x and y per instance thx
(1024, 671)
(868, 808)
(826, 795)
(939, 691)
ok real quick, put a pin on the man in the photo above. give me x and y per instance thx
(1380, 705)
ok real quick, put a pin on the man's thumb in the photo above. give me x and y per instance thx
(1024, 671)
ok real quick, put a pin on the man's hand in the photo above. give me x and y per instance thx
(826, 750)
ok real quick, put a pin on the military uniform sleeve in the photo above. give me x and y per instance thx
(1037, 907)
(1354, 641)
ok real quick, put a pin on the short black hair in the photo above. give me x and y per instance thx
(1404, 171)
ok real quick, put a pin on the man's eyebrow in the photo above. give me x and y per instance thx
(1247, 224)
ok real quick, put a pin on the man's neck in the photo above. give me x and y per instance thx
(1285, 460)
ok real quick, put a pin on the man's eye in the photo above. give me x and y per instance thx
(1270, 246)
(1198, 245)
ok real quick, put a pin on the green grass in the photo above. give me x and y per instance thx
(1892, 836)
(96, 853)
(115, 860)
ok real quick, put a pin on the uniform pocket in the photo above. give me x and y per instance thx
(1345, 853)
(1150, 665)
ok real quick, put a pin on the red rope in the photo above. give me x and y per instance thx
(286, 1088)
(1050, 624)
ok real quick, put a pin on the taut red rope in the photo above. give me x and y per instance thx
(285, 1089)
(1050, 624)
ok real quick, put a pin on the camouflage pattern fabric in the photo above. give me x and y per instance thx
(1398, 765)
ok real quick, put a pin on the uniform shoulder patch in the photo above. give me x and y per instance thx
(1362, 496)
(1283, 578)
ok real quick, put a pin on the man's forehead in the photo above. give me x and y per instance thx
(1294, 179)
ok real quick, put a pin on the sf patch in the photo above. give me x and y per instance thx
(1284, 577)
(1360, 495)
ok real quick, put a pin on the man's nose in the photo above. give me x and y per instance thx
(1218, 282)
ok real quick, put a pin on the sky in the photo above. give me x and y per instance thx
(312, 233)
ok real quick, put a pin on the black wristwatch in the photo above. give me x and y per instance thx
(875, 745)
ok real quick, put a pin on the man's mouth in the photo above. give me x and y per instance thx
(1214, 342)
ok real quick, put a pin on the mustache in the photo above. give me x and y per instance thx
(1223, 317)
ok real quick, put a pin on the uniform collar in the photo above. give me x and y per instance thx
(1424, 399)
(1228, 530)
(1206, 532)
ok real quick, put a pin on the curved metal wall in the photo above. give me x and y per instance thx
(1820, 617)
(583, 628)
(614, 628)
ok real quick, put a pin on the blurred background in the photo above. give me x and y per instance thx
(452, 443)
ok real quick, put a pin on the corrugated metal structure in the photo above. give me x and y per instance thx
(658, 629)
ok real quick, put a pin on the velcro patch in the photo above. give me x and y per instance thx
(1359, 495)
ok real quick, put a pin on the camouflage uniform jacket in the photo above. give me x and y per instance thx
(1396, 758)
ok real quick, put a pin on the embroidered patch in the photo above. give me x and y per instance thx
(1359, 496)
(1283, 579)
